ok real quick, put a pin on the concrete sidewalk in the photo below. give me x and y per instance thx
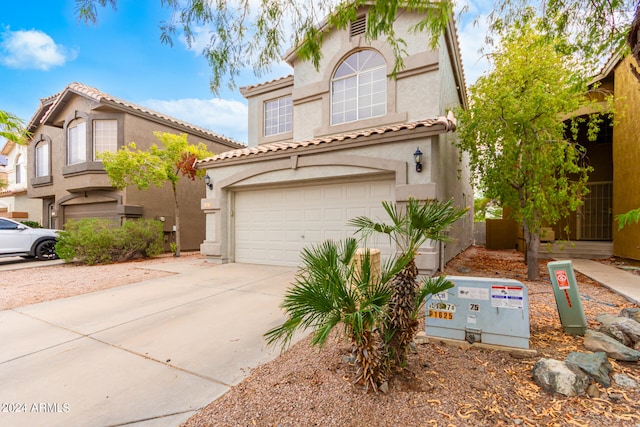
(619, 281)
(147, 354)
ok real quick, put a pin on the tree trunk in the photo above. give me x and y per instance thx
(532, 241)
(177, 212)
(400, 325)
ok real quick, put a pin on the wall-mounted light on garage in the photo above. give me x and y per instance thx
(417, 156)
(207, 181)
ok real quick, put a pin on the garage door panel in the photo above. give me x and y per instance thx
(274, 225)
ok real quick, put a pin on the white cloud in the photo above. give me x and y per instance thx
(224, 117)
(28, 49)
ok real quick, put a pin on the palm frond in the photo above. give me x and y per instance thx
(430, 286)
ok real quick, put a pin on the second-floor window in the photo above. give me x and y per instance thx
(278, 115)
(359, 88)
(77, 142)
(105, 136)
(19, 168)
(42, 159)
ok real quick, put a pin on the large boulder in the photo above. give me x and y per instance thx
(597, 341)
(564, 378)
(596, 365)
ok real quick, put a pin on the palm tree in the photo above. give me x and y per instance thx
(330, 289)
(12, 128)
(409, 229)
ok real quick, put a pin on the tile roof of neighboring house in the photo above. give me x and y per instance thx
(445, 123)
(101, 97)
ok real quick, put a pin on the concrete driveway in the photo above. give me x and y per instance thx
(147, 354)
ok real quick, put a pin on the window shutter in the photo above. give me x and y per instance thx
(359, 26)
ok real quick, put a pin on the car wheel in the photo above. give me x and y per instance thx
(46, 250)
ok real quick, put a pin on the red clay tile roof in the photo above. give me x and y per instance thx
(447, 123)
(257, 85)
(99, 96)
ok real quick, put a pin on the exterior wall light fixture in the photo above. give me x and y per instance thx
(417, 156)
(207, 181)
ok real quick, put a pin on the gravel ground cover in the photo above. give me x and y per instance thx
(442, 385)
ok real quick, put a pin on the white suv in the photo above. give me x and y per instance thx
(17, 239)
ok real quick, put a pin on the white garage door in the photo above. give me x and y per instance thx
(273, 225)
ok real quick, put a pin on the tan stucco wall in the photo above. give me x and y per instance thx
(626, 158)
(425, 89)
(311, 87)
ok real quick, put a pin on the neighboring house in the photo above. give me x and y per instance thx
(72, 127)
(626, 156)
(14, 202)
(612, 186)
(331, 144)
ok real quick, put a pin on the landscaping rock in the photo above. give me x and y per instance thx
(614, 332)
(606, 319)
(625, 381)
(626, 325)
(564, 378)
(597, 341)
(596, 365)
(593, 390)
(631, 313)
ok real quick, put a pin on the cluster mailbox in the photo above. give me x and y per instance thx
(478, 309)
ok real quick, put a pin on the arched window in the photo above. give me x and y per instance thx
(77, 142)
(42, 159)
(19, 169)
(359, 88)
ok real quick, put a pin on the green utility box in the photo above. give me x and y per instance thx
(565, 288)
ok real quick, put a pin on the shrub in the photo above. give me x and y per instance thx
(32, 224)
(100, 241)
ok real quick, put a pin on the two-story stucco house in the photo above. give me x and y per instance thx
(70, 128)
(14, 202)
(329, 144)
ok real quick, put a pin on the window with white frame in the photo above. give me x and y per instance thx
(359, 88)
(77, 142)
(19, 169)
(42, 159)
(105, 136)
(278, 116)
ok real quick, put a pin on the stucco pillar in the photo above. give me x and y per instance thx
(212, 245)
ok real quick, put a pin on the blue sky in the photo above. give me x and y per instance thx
(43, 48)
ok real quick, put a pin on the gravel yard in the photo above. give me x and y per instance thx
(442, 385)
(45, 283)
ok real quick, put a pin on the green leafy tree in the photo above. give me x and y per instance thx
(12, 128)
(244, 34)
(628, 218)
(591, 29)
(157, 165)
(409, 228)
(521, 153)
(484, 207)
